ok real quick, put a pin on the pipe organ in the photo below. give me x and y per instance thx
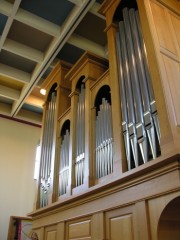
(111, 141)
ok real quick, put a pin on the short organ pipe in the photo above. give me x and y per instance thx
(104, 140)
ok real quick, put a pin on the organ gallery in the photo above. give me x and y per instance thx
(111, 139)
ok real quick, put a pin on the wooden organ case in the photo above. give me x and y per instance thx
(111, 136)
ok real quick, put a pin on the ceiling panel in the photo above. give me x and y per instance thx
(29, 36)
(6, 100)
(30, 41)
(92, 27)
(55, 12)
(70, 53)
(11, 83)
(3, 20)
(32, 108)
(16, 61)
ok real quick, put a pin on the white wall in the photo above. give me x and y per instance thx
(18, 143)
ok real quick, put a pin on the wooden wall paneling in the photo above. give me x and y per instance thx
(50, 233)
(40, 233)
(119, 224)
(174, 5)
(169, 41)
(163, 29)
(176, 26)
(169, 223)
(172, 88)
(155, 209)
(141, 221)
(98, 231)
(79, 229)
(61, 231)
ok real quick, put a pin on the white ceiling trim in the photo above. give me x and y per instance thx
(23, 50)
(9, 93)
(14, 73)
(9, 22)
(5, 109)
(6, 8)
(37, 22)
(94, 10)
(77, 2)
(85, 44)
(67, 29)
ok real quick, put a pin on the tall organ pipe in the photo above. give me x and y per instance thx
(139, 115)
(64, 164)
(80, 138)
(140, 128)
(148, 120)
(148, 78)
(46, 153)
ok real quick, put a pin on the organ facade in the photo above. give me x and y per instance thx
(111, 133)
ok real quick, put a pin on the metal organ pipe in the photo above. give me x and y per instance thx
(148, 78)
(46, 153)
(104, 140)
(148, 120)
(80, 138)
(139, 114)
(64, 164)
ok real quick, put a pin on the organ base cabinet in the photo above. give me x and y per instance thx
(110, 148)
(141, 205)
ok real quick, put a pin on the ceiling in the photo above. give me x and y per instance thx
(34, 35)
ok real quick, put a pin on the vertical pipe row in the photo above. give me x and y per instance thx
(64, 164)
(139, 114)
(104, 140)
(47, 144)
(80, 138)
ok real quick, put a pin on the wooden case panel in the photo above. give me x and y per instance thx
(79, 229)
(163, 27)
(51, 233)
(167, 26)
(173, 87)
(119, 224)
(121, 227)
